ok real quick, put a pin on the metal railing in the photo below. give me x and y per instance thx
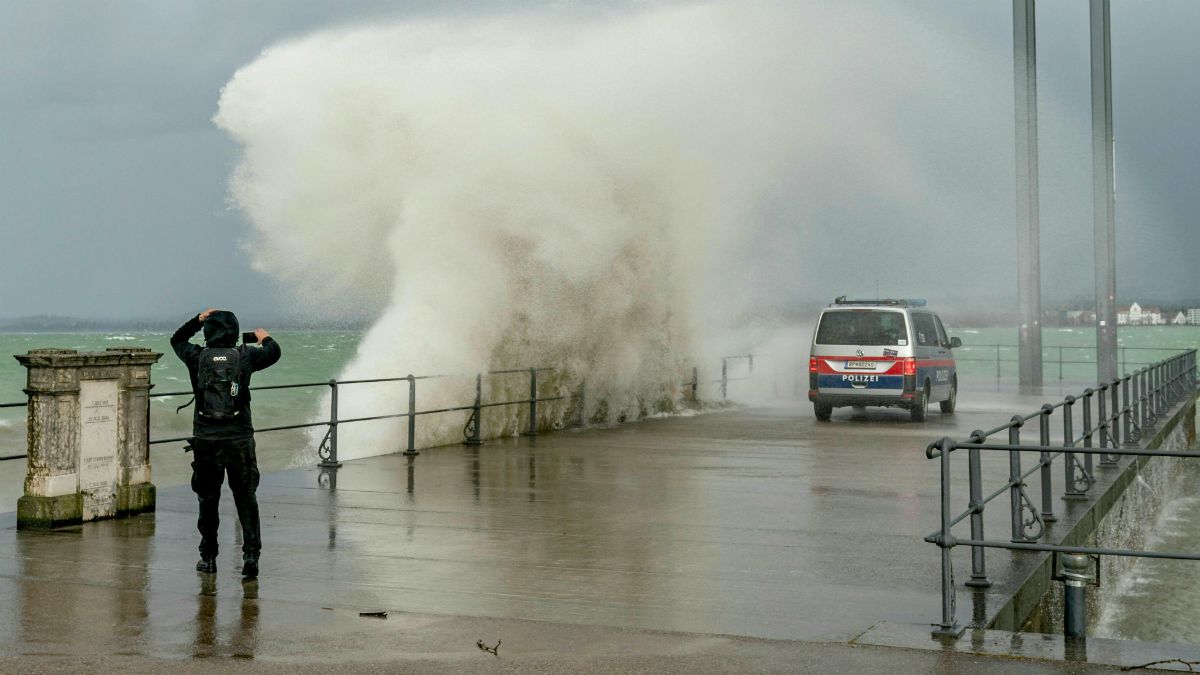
(327, 451)
(1124, 407)
(1052, 355)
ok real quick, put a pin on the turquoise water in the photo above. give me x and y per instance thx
(1068, 354)
(308, 356)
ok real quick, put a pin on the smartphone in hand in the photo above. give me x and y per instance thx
(249, 338)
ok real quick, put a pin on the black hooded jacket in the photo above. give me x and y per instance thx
(221, 330)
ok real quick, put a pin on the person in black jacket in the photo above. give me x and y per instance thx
(224, 443)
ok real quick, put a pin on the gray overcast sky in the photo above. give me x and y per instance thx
(113, 179)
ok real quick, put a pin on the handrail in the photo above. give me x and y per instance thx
(964, 354)
(328, 446)
(1124, 407)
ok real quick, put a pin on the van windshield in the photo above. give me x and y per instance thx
(862, 327)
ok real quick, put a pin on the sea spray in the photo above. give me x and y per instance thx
(565, 190)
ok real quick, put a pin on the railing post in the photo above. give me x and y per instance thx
(412, 416)
(475, 424)
(997, 363)
(331, 462)
(1014, 479)
(1070, 492)
(1115, 424)
(1148, 413)
(1087, 428)
(1135, 402)
(582, 419)
(1044, 459)
(978, 570)
(533, 402)
(724, 379)
(948, 627)
(1104, 423)
(1126, 411)
(1060, 362)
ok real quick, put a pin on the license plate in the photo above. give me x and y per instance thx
(860, 365)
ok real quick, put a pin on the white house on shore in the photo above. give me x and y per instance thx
(1136, 315)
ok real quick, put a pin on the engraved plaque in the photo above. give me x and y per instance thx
(98, 447)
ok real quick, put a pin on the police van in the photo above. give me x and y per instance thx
(881, 353)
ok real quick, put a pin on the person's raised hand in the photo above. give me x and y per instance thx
(261, 334)
(204, 315)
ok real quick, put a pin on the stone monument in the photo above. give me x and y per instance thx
(88, 440)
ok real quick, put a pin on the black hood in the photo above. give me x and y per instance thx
(221, 329)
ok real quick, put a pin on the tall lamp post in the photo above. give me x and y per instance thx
(1029, 291)
(1103, 188)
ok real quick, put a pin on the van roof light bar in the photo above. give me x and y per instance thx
(890, 302)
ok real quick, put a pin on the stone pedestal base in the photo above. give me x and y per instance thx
(135, 499)
(35, 512)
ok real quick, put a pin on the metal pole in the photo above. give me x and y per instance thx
(1104, 424)
(332, 461)
(533, 396)
(724, 379)
(1069, 491)
(1075, 576)
(1115, 391)
(1127, 411)
(412, 416)
(476, 421)
(1029, 290)
(978, 570)
(695, 384)
(1044, 459)
(1087, 428)
(582, 404)
(948, 627)
(1103, 189)
(1014, 478)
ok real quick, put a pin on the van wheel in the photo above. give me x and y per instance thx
(948, 404)
(920, 405)
(822, 411)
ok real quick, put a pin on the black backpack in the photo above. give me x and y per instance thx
(218, 381)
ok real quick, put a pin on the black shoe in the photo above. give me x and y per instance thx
(250, 566)
(207, 565)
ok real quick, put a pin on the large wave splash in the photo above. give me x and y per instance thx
(557, 189)
(514, 192)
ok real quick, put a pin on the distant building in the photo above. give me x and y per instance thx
(1129, 316)
(1152, 316)
(1193, 317)
(1180, 319)
(1081, 317)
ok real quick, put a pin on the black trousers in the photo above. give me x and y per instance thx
(212, 461)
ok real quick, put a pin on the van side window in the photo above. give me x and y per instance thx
(941, 330)
(926, 330)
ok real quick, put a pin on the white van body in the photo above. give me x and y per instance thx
(881, 353)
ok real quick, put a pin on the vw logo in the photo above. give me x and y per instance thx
(859, 352)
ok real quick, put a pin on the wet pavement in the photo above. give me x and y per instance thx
(750, 539)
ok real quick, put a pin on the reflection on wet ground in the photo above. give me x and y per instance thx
(759, 523)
